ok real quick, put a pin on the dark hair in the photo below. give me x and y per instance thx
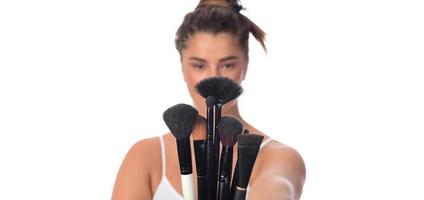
(215, 16)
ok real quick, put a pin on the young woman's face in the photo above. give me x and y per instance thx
(208, 55)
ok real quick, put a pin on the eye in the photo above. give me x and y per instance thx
(228, 65)
(198, 66)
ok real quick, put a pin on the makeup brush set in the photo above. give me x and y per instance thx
(214, 168)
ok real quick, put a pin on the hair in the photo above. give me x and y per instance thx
(217, 16)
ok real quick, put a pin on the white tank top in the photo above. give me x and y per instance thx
(165, 191)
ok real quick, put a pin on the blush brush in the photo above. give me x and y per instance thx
(180, 120)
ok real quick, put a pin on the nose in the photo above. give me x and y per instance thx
(214, 71)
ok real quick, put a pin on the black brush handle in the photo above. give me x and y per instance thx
(200, 154)
(184, 156)
(210, 155)
(239, 194)
(234, 182)
(201, 188)
(210, 172)
(217, 119)
(209, 124)
(225, 173)
(224, 191)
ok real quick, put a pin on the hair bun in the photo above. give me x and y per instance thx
(237, 7)
(232, 4)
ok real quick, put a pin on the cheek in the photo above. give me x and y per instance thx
(237, 74)
(191, 76)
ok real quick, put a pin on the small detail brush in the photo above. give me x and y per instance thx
(228, 129)
(180, 120)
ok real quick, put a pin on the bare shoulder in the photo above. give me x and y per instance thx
(282, 155)
(282, 165)
(144, 150)
(134, 177)
(145, 145)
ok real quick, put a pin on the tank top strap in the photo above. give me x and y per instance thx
(162, 146)
(265, 142)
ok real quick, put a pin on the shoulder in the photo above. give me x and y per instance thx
(145, 145)
(141, 149)
(284, 164)
(137, 155)
(134, 177)
(283, 155)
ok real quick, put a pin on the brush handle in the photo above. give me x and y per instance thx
(200, 154)
(224, 192)
(209, 124)
(184, 156)
(210, 155)
(210, 171)
(216, 146)
(201, 188)
(188, 186)
(224, 180)
(234, 182)
(240, 194)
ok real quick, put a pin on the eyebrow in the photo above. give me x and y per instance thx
(220, 60)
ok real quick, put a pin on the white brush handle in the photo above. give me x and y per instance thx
(188, 186)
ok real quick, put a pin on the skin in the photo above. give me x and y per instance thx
(279, 171)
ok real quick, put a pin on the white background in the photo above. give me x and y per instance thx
(81, 81)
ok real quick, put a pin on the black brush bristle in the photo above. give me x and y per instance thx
(228, 129)
(250, 139)
(222, 88)
(180, 120)
(248, 148)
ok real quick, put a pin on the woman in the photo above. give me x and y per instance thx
(212, 41)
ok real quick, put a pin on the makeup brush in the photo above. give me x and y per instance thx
(210, 150)
(234, 180)
(228, 129)
(248, 148)
(224, 90)
(200, 155)
(180, 120)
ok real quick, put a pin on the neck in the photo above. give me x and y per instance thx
(230, 109)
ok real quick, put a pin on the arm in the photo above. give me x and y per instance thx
(133, 179)
(281, 175)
